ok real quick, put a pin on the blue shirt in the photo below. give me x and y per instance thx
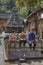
(31, 36)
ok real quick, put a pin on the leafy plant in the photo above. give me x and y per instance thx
(23, 12)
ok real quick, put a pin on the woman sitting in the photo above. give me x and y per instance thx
(13, 39)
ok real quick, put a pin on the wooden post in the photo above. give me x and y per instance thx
(36, 24)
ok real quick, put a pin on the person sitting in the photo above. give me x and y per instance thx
(31, 38)
(13, 39)
(22, 38)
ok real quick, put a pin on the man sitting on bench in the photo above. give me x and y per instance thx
(31, 38)
(22, 39)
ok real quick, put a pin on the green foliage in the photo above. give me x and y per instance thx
(23, 12)
(4, 1)
(29, 3)
(22, 4)
(2, 9)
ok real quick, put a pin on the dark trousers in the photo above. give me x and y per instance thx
(22, 41)
(34, 45)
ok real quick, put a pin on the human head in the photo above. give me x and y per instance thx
(30, 30)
